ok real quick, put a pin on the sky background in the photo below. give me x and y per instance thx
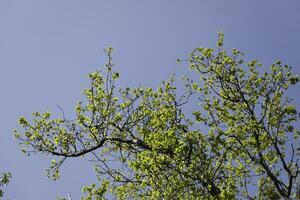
(48, 47)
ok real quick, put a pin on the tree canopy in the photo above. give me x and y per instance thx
(240, 141)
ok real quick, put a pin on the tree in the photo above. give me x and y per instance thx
(4, 180)
(240, 143)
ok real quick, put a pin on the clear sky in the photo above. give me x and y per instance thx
(47, 48)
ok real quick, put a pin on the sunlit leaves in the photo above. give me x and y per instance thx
(95, 193)
(251, 110)
(148, 146)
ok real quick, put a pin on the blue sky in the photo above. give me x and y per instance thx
(47, 48)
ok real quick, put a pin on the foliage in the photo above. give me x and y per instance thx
(241, 142)
(4, 180)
